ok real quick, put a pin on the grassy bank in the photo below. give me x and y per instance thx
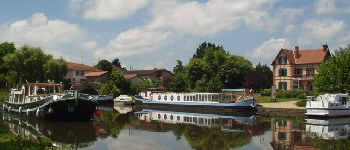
(267, 99)
(10, 141)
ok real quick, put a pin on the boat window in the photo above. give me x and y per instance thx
(159, 97)
(165, 97)
(190, 98)
(165, 117)
(178, 97)
(159, 116)
(171, 117)
(178, 118)
(206, 97)
(200, 97)
(343, 100)
(171, 98)
(194, 98)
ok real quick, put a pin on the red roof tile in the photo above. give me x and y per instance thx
(76, 66)
(310, 56)
(95, 74)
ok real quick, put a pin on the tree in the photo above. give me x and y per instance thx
(56, 69)
(109, 89)
(215, 84)
(179, 82)
(196, 68)
(117, 79)
(179, 67)
(116, 63)
(200, 52)
(259, 78)
(334, 74)
(104, 65)
(26, 64)
(5, 48)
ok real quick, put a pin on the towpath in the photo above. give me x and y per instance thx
(289, 104)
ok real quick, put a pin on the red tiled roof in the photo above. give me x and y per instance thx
(76, 66)
(95, 74)
(310, 56)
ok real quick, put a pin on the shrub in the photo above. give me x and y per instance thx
(301, 103)
(265, 92)
(301, 96)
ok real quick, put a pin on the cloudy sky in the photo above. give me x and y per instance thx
(155, 33)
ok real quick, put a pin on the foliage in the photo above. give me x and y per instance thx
(109, 89)
(265, 92)
(301, 103)
(260, 77)
(116, 62)
(29, 64)
(215, 85)
(5, 48)
(179, 82)
(117, 78)
(3, 93)
(334, 74)
(104, 65)
(179, 67)
(88, 88)
(55, 69)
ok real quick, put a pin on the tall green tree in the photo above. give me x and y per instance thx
(179, 67)
(116, 62)
(117, 78)
(334, 74)
(56, 69)
(179, 82)
(5, 48)
(196, 68)
(259, 78)
(104, 65)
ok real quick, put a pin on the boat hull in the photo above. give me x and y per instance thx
(67, 108)
(316, 112)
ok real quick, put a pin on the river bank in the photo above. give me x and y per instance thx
(281, 108)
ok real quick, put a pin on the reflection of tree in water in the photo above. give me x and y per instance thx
(113, 122)
(210, 138)
(331, 144)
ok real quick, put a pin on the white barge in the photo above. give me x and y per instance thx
(328, 105)
(197, 100)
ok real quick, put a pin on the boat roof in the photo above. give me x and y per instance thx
(44, 84)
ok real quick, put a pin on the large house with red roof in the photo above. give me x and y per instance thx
(77, 72)
(295, 69)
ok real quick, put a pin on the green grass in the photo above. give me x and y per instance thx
(267, 99)
(2, 95)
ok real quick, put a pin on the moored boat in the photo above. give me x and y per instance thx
(209, 101)
(123, 99)
(104, 99)
(49, 101)
(328, 105)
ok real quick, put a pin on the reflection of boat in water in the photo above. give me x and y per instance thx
(76, 134)
(227, 123)
(333, 128)
(122, 109)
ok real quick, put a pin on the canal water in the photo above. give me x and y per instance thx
(123, 127)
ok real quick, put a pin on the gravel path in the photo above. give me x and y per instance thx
(290, 104)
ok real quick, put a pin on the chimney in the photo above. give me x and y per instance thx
(325, 47)
(296, 52)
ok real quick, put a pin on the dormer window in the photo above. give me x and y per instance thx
(282, 60)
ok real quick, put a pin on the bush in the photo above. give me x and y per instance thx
(301, 103)
(301, 96)
(265, 92)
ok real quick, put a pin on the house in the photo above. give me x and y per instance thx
(76, 72)
(97, 77)
(295, 69)
(154, 74)
(134, 78)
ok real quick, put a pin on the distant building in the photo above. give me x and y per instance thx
(155, 74)
(117, 68)
(76, 72)
(134, 78)
(295, 69)
(97, 77)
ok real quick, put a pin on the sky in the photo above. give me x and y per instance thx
(147, 34)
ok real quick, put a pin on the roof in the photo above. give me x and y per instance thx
(130, 76)
(95, 74)
(145, 72)
(309, 56)
(76, 66)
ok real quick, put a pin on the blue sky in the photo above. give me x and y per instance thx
(150, 34)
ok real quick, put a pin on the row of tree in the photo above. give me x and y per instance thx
(28, 64)
(212, 68)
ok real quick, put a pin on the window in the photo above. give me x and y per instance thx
(282, 123)
(282, 136)
(178, 98)
(165, 117)
(159, 116)
(82, 73)
(171, 98)
(165, 97)
(343, 100)
(283, 72)
(298, 72)
(159, 97)
(77, 72)
(310, 71)
(171, 117)
(282, 60)
(282, 85)
(178, 118)
(295, 84)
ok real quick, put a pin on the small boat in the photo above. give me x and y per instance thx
(207, 101)
(328, 105)
(49, 101)
(123, 99)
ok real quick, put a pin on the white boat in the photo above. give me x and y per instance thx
(328, 105)
(197, 100)
(123, 99)
(333, 128)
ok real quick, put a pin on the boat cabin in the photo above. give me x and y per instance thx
(31, 92)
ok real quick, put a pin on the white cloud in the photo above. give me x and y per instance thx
(107, 9)
(321, 31)
(290, 29)
(90, 45)
(134, 42)
(39, 31)
(266, 52)
(330, 7)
